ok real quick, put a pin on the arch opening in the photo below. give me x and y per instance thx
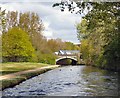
(66, 61)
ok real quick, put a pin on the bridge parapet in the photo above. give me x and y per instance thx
(67, 56)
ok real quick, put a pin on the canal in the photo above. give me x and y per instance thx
(68, 81)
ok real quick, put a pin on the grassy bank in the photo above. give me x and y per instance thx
(8, 68)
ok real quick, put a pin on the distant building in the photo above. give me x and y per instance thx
(56, 53)
(67, 52)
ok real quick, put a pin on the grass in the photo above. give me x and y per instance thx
(6, 83)
(10, 67)
(11, 82)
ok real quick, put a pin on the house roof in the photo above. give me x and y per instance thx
(68, 51)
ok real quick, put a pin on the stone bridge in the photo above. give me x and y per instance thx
(67, 57)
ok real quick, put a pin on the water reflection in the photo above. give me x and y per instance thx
(100, 82)
(69, 81)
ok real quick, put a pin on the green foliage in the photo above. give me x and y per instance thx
(7, 83)
(16, 46)
(2, 20)
(78, 8)
(30, 23)
(11, 82)
(99, 35)
(11, 67)
(71, 46)
(47, 58)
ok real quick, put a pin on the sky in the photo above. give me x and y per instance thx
(57, 24)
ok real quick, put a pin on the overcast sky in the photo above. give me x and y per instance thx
(57, 24)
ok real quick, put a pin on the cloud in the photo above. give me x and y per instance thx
(67, 22)
(66, 35)
(57, 24)
(47, 32)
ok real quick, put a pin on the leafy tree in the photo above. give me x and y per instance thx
(33, 27)
(16, 46)
(47, 58)
(2, 20)
(2, 28)
(31, 24)
(71, 46)
(53, 45)
(56, 44)
(100, 28)
(74, 6)
(12, 19)
(98, 31)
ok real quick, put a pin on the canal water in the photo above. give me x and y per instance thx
(68, 81)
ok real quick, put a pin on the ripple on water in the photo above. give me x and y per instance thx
(37, 92)
(69, 84)
(67, 81)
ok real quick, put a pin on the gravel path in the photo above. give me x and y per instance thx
(8, 76)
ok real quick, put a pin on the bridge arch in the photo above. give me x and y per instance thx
(63, 61)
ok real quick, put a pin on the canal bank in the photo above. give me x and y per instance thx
(10, 80)
(69, 81)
